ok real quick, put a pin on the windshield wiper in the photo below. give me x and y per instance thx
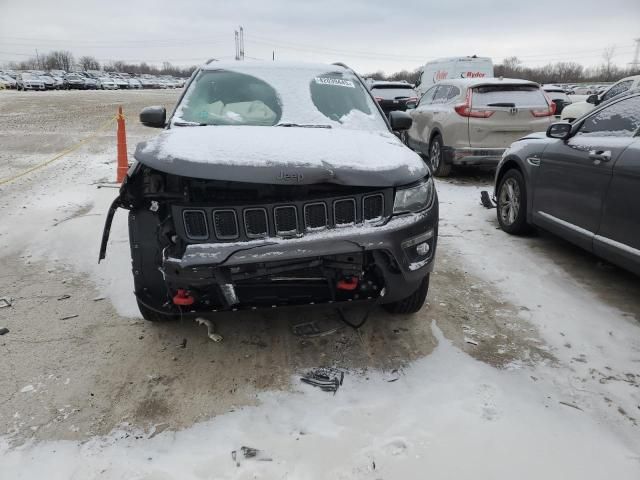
(301, 125)
(190, 124)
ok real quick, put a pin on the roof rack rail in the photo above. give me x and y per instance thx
(211, 60)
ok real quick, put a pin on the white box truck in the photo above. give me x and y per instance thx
(453, 67)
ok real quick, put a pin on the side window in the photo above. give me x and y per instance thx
(441, 94)
(620, 119)
(617, 89)
(428, 96)
(453, 93)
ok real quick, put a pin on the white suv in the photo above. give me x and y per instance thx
(473, 121)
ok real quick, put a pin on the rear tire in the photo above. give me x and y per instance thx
(512, 203)
(153, 316)
(411, 304)
(436, 158)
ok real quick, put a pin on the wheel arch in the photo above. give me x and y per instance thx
(513, 163)
(436, 131)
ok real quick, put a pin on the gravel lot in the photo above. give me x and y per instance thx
(78, 362)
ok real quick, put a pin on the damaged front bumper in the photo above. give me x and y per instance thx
(402, 251)
(383, 261)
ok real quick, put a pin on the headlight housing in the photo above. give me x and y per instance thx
(414, 199)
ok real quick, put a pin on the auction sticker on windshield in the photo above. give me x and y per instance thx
(334, 81)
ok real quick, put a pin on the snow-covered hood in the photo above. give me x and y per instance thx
(576, 110)
(285, 155)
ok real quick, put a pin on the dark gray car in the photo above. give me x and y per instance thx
(277, 184)
(580, 181)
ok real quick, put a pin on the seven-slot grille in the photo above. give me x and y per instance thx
(283, 220)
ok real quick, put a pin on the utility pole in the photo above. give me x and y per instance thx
(273, 55)
(237, 47)
(635, 65)
(241, 43)
(38, 59)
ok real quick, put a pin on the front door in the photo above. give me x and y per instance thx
(422, 117)
(574, 175)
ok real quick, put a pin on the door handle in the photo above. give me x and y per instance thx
(601, 155)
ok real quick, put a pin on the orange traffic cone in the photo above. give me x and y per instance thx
(123, 163)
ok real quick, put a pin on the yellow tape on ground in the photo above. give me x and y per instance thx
(102, 127)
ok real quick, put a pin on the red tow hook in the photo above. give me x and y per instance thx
(182, 298)
(347, 284)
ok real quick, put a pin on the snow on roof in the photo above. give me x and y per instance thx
(271, 65)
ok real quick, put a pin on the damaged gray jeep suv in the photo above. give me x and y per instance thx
(272, 185)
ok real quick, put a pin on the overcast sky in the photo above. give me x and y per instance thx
(368, 35)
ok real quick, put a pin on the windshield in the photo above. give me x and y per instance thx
(267, 96)
(392, 92)
(519, 95)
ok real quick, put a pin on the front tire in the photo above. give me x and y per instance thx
(512, 203)
(411, 304)
(404, 138)
(436, 158)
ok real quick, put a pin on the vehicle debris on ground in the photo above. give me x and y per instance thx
(326, 378)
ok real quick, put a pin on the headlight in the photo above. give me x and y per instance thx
(415, 198)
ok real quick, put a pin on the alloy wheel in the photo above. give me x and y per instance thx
(434, 155)
(509, 201)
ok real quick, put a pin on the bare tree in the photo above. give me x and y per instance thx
(608, 67)
(58, 60)
(565, 72)
(510, 68)
(89, 63)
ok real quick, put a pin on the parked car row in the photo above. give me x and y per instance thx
(578, 109)
(90, 80)
(575, 89)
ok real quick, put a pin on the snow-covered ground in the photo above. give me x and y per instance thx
(448, 416)
(572, 415)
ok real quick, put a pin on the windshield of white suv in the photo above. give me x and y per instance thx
(268, 96)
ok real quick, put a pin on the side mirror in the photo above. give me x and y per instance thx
(411, 104)
(593, 99)
(560, 130)
(400, 121)
(153, 116)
